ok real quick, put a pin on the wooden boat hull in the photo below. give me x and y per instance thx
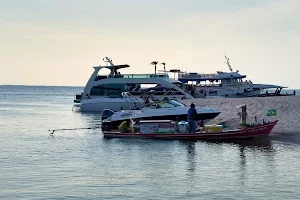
(252, 132)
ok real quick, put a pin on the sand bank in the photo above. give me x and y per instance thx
(287, 110)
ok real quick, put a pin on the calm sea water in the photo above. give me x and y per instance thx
(80, 164)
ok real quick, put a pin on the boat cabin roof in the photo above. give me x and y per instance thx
(115, 67)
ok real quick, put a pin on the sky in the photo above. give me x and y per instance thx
(57, 42)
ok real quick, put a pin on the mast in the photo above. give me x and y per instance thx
(108, 60)
(228, 64)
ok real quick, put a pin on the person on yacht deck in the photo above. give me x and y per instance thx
(118, 75)
(192, 113)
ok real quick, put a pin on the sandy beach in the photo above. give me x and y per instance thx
(287, 111)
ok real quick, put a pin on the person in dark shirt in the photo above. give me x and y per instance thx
(192, 113)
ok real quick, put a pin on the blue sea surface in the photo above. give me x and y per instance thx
(80, 164)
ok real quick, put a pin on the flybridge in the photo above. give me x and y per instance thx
(114, 73)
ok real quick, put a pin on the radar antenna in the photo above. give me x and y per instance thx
(227, 63)
(108, 60)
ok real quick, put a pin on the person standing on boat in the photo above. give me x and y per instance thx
(192, 113)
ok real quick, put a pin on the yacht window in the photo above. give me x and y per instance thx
(166, 105)
(152, 105)
(106, 90)
(176, 103)
(170, 104)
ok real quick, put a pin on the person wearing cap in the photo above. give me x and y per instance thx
(192, 114)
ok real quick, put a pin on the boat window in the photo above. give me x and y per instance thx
(107, 90)
(103, 73)
(166, 104)
(152, 105)
(176, 103)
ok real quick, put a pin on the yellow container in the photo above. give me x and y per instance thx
(213, 128)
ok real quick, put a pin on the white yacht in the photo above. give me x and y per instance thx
(107, 91)
(157, 110)
(224, 84)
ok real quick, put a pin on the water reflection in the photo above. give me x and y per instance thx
(242, 164)
(191, 153)
(261, 145)
(91, 117)
(191, 163)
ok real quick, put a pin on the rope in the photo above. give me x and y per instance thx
(71, 129)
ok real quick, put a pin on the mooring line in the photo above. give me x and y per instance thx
(71, 129)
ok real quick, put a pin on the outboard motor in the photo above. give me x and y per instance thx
(106, 113)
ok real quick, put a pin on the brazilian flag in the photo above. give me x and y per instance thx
(271, 112)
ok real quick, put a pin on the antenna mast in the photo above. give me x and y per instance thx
(227, 63)
(108, 60)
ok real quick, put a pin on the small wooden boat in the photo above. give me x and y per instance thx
(241, 133)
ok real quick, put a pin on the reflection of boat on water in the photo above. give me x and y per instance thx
(261, 143)
(241, 133)
(224, 84)
(289, 137)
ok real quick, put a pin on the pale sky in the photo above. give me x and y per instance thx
(57, 42)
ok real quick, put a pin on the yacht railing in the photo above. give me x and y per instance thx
(108, 93)
(159, 75)
(135, 103)
(198, 76)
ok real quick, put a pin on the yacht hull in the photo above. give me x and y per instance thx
(115, 104)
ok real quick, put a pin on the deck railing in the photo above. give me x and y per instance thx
(158, 75)
(198, 76)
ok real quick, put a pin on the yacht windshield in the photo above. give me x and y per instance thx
(165, 104)
(176, 103)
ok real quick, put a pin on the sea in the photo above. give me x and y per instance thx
(81, 164)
